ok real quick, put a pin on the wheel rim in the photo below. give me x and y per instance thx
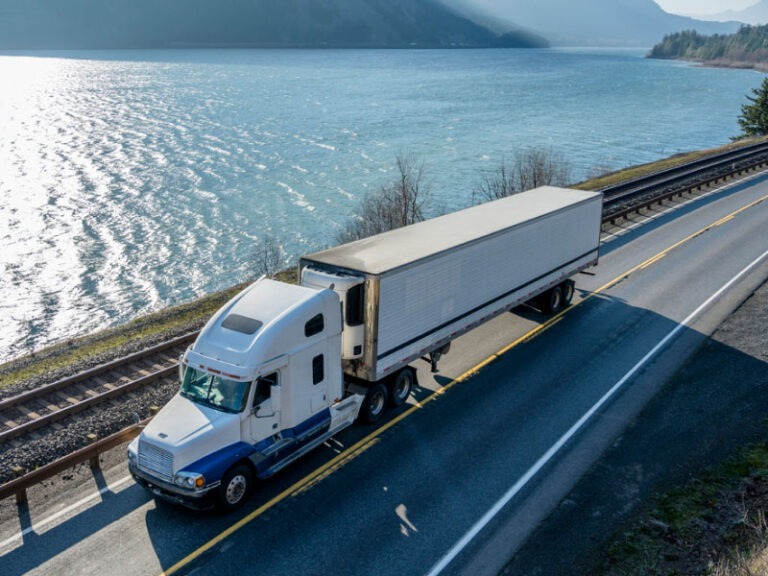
(402, 386)
(236, 489)
(377, 403)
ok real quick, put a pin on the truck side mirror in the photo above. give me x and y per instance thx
(276, 393)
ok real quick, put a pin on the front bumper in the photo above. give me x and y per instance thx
(195, 499)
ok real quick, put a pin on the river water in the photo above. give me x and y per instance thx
(134, 180)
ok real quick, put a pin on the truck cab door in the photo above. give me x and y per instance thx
(264, 414)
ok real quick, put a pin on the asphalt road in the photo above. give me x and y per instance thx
(458, 485)
(712, 407)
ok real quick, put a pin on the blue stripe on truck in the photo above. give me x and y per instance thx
(264, 454)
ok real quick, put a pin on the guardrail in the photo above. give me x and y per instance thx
(650, 189)
(90, 453)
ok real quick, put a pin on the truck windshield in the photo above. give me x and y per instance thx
(210, 390)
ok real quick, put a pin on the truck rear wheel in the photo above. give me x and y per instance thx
(235, 487)
(400, 387)
(374, 404)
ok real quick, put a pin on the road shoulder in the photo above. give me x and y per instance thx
(714, 405)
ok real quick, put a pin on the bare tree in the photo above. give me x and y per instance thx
(394, 205)
(267, 256)
(530, 168)
(495, 185)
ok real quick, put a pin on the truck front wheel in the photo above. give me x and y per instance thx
(235, 486)
(374, 404)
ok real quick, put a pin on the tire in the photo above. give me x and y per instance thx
(235, 487)
(568, 290)
(375, 403)
(400, 387)
(553, 301)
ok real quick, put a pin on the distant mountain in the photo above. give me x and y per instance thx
(755, 14)
(587, 22)
(86, 24)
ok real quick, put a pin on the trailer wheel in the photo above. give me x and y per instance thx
(400, 387)
(235, 486)
(553, 299)
(374, 404)
(568, 290)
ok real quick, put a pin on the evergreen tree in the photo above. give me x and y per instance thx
(754, 116)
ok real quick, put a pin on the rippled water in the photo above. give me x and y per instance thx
(134, 180)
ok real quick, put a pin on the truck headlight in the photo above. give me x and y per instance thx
(132, 454)
(190, 480)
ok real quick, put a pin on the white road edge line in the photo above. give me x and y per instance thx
(555, 448)
(36, 526)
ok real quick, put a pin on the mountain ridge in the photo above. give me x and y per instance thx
(755, 14)
(589, 22)
(109, 24)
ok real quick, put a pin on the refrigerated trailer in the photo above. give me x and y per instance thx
(281, 368)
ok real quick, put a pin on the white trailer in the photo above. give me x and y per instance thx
(281, 368)
(411, 291)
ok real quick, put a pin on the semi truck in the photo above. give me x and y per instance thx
(282, 367)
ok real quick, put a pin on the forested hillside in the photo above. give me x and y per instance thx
(747, 48)
(83, 24)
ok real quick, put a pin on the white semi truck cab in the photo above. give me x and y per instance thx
(281, 368)
(261, 385)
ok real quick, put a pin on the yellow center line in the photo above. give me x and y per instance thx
(362, 445)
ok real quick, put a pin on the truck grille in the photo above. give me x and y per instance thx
(156, 460)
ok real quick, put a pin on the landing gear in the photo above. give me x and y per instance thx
(435, 355)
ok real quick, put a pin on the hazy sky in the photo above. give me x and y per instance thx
(703, 6)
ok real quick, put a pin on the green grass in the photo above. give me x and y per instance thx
(694, 523)
(641, 170)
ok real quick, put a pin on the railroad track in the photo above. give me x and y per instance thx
(629, 196)
(22, 416)
(53, 404)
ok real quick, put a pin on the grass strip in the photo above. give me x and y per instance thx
(713, 525)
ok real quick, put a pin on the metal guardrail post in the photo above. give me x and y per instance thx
(90, 453)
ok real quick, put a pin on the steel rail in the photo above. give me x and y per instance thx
(95, 371)
(724, 161)
(84, 404)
